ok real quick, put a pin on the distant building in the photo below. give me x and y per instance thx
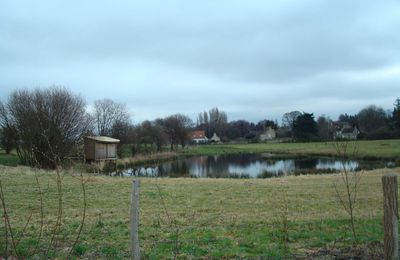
(269, 134)
(350, 133)
(343, 130)
(198, 137)
(215, 139)
(99, 148)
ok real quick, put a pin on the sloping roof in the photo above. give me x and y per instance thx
(340, 125)
(348, 130)
(103, 139)
(198, 134)
(269, 130)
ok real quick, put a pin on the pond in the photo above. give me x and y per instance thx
(251, 166)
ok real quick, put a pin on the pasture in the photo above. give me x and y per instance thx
(364, 148)
(193, 218)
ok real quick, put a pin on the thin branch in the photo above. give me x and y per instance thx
(7, 219)
(41, 214)
(57, 225)
(6, 236)
(24, 229)
(172, 223)
(83, 217)
(351, 182)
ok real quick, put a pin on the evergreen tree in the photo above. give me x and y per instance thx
(305, 127)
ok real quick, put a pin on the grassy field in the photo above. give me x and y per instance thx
(8, 159)
(194, 218)
(368, 149)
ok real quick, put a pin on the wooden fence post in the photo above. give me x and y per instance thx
(135, 249)
(390, 216)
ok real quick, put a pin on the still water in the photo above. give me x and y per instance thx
(251, 166)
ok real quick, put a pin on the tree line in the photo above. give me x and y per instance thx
(371, 122)
(45, 126)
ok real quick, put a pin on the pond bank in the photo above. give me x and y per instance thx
(376, 149)
(366, 150)
(247, 165)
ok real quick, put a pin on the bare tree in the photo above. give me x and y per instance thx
(107, 113)
(8, 138)
(151, 133)
(215, 121)
(238, 129)
(350, 182)
(124, 132)
(200, 120)
(8, 133)
(177, 129)
(159, 134)
(218, 121)
(289, 118)
(323, 124)
(373, 122)
(49, 123)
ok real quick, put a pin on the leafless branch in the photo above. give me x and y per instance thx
(350, 180)
(171, 222)
(83, 216)
(7, 220)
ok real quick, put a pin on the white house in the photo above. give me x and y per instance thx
(269, 134)
(343, 130)
(198, 137)
(350, 133)
(215, 139)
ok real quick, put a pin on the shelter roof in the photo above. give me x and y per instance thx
(103, 139)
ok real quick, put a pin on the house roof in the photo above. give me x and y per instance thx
(348, 130)
(103, 139)
(269, 129)
(198, 134)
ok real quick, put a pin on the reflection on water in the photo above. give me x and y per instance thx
(250, 166)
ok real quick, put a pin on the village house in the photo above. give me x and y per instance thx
(198, 137)
(350, 133)
(343, 130)
(99, 148)
(268, 134)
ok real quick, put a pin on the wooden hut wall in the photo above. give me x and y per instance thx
(90, 149)
(111, 151)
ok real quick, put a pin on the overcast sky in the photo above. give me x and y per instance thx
(253, 59)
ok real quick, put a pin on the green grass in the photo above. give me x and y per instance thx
(368, 149)
(209, 218)
(8, 159)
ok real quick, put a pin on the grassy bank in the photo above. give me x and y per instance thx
(366, 149)
(199, 218)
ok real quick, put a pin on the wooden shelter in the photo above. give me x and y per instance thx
(100, 148)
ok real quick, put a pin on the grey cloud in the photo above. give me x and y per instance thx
(256, 59)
